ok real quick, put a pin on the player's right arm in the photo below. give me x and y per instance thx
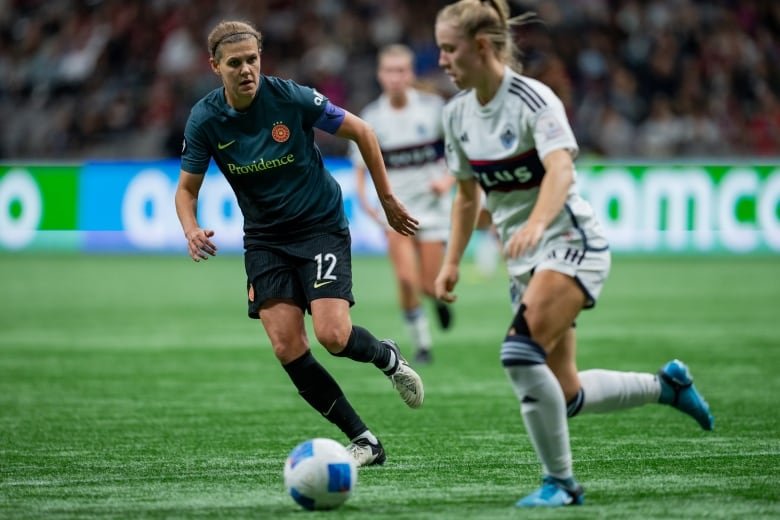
(199, 244)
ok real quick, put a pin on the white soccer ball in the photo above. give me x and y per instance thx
(320, 474)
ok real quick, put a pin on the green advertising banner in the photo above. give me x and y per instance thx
(38, 207)
(125, 207)
(686, 207)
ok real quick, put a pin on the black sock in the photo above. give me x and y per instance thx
(323, 393)
(364, 347)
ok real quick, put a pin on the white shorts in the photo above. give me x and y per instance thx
(588, 268)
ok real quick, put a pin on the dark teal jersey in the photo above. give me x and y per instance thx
(269, 157)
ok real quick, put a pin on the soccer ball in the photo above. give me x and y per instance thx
(320, 474)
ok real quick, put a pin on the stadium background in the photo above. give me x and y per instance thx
(674, 103)
(132, 385)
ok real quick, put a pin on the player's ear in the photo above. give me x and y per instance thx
(483, 45)
(214, 66)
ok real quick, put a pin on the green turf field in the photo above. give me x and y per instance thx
(136, 387)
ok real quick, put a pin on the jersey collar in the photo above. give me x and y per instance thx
(495, 104)
(232, 112)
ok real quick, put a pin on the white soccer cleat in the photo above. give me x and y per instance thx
(405, 380)
(366, 454)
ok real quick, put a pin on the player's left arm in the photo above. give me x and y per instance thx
(558, 177)
(357, 130)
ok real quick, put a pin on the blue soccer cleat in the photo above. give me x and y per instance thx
(677, 390)
(554, 493)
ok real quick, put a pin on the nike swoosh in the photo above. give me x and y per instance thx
(223, 146)
(319, 284)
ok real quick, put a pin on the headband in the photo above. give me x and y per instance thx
(225, 37)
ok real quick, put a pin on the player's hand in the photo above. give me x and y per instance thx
(199, 244)
(445, 283)
(397, 217)
(525, 239)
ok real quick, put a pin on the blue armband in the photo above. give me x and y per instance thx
(331, 118)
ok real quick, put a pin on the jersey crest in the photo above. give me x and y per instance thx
(508, 137)
(280, 132)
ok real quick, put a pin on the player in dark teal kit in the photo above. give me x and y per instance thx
(260, 132)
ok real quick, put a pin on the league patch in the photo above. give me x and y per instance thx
(550, 127)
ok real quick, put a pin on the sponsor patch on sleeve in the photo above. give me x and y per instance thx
(548, 126)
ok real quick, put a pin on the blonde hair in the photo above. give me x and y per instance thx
(396, 49)
(491, 19)
(231, 32)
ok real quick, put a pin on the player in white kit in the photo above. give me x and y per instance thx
(509, 134)
(407, 122)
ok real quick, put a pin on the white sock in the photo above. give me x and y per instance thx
(366, 435)
(610, 390)
(418, 329)
(544, 414)
(392, 364)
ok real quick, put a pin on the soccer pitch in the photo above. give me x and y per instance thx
(135, 386)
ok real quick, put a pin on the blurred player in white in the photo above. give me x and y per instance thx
(407, 122)
(509, 134)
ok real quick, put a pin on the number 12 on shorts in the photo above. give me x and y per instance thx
(326, 263)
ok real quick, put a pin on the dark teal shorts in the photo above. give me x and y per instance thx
(317, 267)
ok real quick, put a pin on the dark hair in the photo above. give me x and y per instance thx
(231, 32)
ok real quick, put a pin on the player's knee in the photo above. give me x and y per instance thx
(289, 350)
(519, 348)
(535, 323)
(332, 336)
(519, 325)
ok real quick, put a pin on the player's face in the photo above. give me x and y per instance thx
(395, 74)
(239, 68)
(458, 56)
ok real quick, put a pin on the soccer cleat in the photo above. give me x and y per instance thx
(677, 390)
(554, 493)
(405, 379)
(445, 315)
(423, 357)
(365, 453)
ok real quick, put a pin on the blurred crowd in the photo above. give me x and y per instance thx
(640, 78)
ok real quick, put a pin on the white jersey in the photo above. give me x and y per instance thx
(412, 144)
(501, 145)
